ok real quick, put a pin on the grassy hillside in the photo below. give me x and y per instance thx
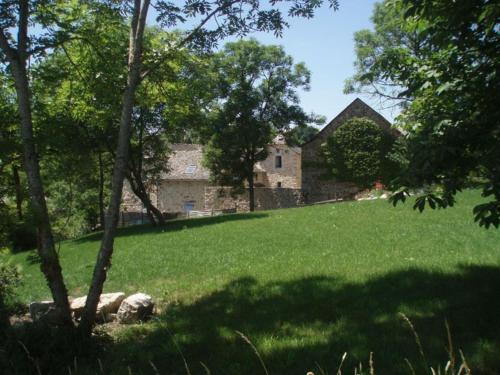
(305, 285)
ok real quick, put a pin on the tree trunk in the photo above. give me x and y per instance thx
(101, 190)
(138, 188)
(19, 192)
(134, 177)
(103, 262)
(50, 265)
(160, 220)
(251, 192)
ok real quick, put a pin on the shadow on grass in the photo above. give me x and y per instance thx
(175, 225)
(301, 323)
(33, 258)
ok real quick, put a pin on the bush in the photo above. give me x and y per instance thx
(19, 235)
(9, 279)
(357, 152)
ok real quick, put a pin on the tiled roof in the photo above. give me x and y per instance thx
(185, 163)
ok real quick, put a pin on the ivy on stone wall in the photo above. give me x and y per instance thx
(358, 152)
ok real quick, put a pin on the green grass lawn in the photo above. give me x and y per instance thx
(305, 285)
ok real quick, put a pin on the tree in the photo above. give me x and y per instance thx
(11, 185)
(17, 51)
(258, 98)
(299, 135)
(383, 49)
(148, 157)
(448, 78)
(358, 152)
(10, 147)
(77, 108)
(76, 102)
(138, 24)
(161, 115)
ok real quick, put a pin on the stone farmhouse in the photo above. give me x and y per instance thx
(315, 187)
(290, 176)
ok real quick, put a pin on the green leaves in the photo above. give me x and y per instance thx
(399, 196)
(487, 214)
(233, 17)
(357, 152)
(438, 60)
(257, 97)
(434, 201)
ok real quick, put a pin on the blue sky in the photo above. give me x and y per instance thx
(326, 45)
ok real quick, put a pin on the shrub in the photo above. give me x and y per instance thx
(9, 279)
(357, 152)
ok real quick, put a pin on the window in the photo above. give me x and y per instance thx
(189, 206)
(278, 184)
(278, 162)
(190, 169)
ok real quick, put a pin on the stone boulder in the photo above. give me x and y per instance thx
(108, 304)
(45, 312)
(40, 309)
(135, 308)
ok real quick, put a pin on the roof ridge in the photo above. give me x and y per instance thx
(356, 101)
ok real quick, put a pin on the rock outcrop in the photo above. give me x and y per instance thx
(111, 307)
(134, 308)
(108, 304)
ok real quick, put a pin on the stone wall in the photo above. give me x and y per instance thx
(289, 174)
(316, 186)
(130, 202)
(173, 195)
(220, 198)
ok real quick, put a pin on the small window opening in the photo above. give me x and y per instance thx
(278, 163)
(189, 206)
(190, 169)
(279, 184)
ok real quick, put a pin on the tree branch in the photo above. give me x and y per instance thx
(10, 52)
(22, 35)
(189, 36)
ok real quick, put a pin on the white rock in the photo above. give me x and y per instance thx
(77, 306)
(134, 308)
(108, 304)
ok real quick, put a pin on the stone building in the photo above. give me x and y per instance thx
(186, 186)
(288, 177)
(282, 167)
(315, 186)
